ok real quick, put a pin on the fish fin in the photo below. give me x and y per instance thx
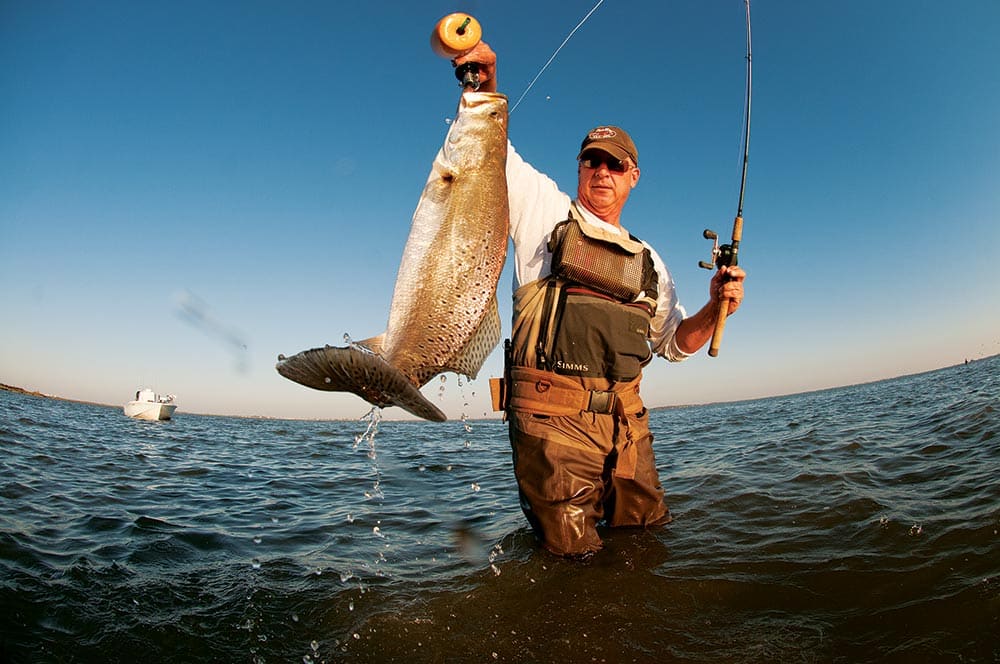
(481, 344)
(374, 344)
(353, 369)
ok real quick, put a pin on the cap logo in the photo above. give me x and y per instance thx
(602, 132)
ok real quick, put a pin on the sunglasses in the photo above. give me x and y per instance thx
(594, 161)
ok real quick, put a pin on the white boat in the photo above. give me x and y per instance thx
(148, 405)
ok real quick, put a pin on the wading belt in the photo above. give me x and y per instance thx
(545, 393)
(548, 393)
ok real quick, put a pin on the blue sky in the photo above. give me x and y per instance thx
(188, 189)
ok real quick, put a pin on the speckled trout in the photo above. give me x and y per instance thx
(443, 315)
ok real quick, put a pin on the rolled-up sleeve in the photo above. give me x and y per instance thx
(669, 315)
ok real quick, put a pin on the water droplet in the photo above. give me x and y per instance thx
(257, 540)
(422, 468)
(255, 563)
(295, 617)
(378, 533)
(350, 605)
(475, 487)
(327, 380)
(356, 636)
(315, 646)
(443, 378)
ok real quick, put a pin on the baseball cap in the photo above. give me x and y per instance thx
(613, 140)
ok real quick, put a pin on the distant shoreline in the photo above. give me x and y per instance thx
(19, 390)
(30, 393)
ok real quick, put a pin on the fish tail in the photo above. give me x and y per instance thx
(354, 369)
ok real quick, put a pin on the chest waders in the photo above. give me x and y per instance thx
(579, 433)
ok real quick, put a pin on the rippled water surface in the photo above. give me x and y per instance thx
(857, 524)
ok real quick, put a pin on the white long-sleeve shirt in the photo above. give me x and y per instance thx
(536, 206)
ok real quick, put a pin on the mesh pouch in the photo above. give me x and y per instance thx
(603, 266)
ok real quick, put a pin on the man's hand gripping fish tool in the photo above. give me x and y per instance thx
(453, 36)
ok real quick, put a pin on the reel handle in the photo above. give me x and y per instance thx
(710, 235)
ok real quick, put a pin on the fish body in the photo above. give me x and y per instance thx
(443, 315)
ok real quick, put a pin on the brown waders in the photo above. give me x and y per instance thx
(582, 454)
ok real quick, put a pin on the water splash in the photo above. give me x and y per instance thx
(374, 418)
(496, 552)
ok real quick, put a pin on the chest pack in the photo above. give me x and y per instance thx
(593, 318)
(615, 266)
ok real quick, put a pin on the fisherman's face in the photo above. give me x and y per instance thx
(604, 183)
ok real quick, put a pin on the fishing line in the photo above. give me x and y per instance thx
(546, 66)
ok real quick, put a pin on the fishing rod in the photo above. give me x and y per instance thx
(728, 254)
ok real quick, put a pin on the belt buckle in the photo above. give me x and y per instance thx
(602, 401)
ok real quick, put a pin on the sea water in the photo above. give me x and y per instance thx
(849, 525)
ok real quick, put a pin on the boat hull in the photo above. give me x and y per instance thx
(145, 410)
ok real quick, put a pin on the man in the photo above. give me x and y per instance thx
(591, 306)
